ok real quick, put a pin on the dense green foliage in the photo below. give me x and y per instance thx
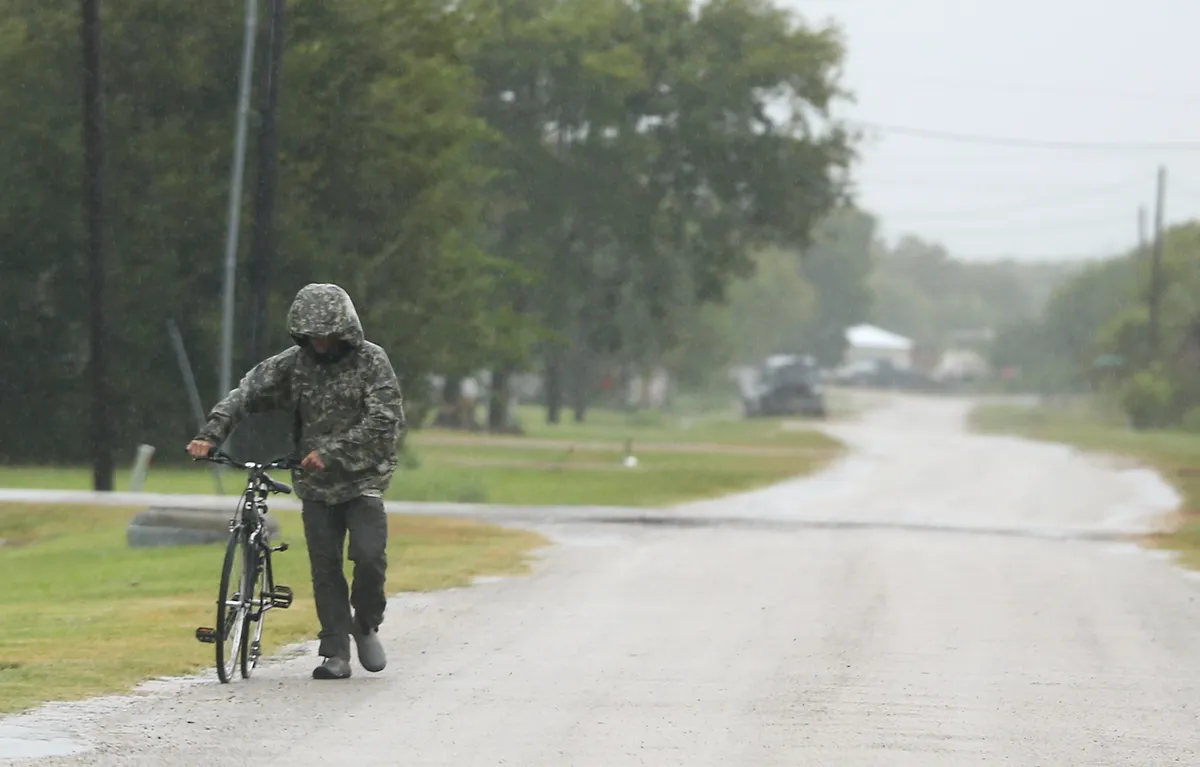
(1094, 335)
(512, 184)
(924, 293)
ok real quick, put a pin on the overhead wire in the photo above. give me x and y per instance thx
(934, 82)
(1090, 192)
(876, 130)
(1028, 143)
(1057, 257)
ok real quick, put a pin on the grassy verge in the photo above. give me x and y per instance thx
(724, 427)
(1174, 455)
(83, 614)
(679, 459)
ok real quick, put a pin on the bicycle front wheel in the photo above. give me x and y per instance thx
(233, 606)
(258, 571)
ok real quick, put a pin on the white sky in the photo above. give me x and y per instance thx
(1057, 70)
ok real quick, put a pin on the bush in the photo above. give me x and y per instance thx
(1191, 420)
(1147, 397)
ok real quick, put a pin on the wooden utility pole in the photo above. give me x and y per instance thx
(1142, 231)
(1156, 286)
(262, 237)
(233, 217)
(262, 243)
(95, 217)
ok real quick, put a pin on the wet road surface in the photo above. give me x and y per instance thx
(937, 598)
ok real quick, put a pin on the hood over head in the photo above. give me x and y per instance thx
(324, 310)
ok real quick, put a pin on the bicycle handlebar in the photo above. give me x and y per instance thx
(217, 456)
(259, 469)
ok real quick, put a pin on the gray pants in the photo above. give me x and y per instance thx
(325, 528)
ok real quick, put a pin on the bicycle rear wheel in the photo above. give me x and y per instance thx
(233, 606)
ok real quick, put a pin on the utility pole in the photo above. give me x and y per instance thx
(1156, 263)
(235, 199)
(1142, 231)
(95, 215)
(262, 239)
(262, 243)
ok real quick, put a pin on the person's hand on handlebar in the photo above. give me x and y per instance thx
(313, 462)
(199, 448)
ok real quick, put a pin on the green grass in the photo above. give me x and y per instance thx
(659, 479)
(651, 426)
(83, 614)
(1175, 455)
(679, 459)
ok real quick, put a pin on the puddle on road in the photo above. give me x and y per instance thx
(797, 523)
(20, 742)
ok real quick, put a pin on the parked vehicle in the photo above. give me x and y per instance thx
(786, 384)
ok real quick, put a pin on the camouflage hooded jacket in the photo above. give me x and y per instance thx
(348, 407)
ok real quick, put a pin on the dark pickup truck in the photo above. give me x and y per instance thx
(787, 384)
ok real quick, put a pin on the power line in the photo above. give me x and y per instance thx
(1080, 258)
(935, 156)
(1042, 227)
(968, 138)
(1087, 193)
(1049, 221)
(1053, 88)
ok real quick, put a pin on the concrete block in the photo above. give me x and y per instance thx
(184, 527)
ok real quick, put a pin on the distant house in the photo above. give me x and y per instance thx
(869, 344)
(961, 365)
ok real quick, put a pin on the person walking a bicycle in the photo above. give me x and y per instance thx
(349, 420)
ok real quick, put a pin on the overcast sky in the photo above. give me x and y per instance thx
(1053, 70)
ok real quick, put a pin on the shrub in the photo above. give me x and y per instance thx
(1147, 397)
(1191, 420)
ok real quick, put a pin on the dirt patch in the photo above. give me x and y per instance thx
(1117, 462)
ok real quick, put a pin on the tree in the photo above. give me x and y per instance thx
(559, 182)
(641, 165)
(377, 181)
(792, 302)
(923, 292)
(839, 265)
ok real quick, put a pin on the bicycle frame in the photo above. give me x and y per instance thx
(257, 593)
(250, 519)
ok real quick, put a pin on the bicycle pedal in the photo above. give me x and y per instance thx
(281, 547)
(255, 651)
(282, 597)
(206, 635)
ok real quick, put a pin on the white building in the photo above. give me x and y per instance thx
(960, 365)
(868, 344)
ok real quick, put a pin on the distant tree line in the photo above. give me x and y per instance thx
(801, 300)
(922, 291)
(1094, 335)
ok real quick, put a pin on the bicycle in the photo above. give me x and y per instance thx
(250, 547)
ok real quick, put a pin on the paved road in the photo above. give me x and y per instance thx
(938, 599)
